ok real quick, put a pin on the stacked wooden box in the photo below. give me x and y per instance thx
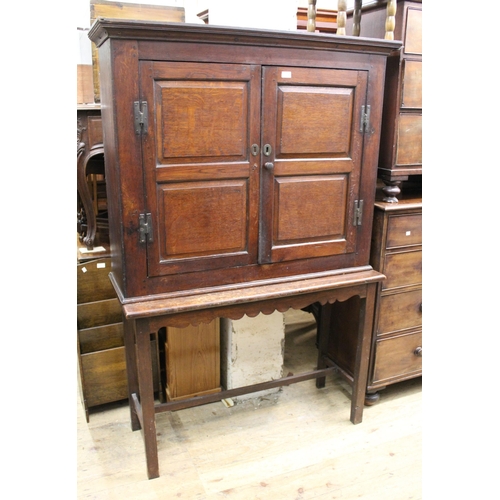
(101, 353)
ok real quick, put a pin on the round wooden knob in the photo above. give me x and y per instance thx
(418, 352)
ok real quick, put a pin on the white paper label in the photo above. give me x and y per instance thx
(84, 269)
(101, 265)
(286, 74)
(408, 233)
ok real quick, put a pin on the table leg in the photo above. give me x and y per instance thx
(362, 354)
(131, 364)
(324, 329)
(146, 396)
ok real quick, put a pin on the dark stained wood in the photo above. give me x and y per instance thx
(314, 181)
(282, 296)
(239, 391)
(413, 35)
(90, 160)
(401, 139)
(396, 250)
(412, 88)
(398, 358)
(399, 311)
(252, 162)
(182, 173)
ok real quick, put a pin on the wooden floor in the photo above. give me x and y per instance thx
(295, 444)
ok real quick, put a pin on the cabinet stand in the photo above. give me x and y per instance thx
(146, 317)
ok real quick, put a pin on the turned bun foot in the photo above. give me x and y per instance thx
(391, 190)
(372, 398)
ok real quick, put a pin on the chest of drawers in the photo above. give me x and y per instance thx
(397, 252)
(401, 140)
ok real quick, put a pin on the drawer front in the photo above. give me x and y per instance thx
(413, 37)
(396, 358)
(412, 85)
(409, 140)
(402, 269)
(404, 230)
(400, 311)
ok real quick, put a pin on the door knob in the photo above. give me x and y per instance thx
(269, 165)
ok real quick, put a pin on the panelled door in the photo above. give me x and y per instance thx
(201, 172)
(312, 154)
(221, 137)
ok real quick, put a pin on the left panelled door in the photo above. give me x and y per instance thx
(201, 172)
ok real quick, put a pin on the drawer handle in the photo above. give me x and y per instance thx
(418, 352)
(420, 307)
(269, 166)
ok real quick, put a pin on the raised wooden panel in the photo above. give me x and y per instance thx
(203, 218)
(404, 230)
(202, 120)
(412, 84)
(198, 158)
(400, 311)
(309, 191)
(413, 37)
(395, 358)
(409, 150)
(314, 120)
(402, 268)
(310, 208)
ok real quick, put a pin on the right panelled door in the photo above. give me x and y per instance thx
(312, 156)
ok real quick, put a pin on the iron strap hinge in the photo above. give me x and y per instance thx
(364, 122)
(145, 228)
(141, 117)
(358, 212)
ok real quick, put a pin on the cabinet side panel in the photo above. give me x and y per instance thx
(112, 170)
(122, 148)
